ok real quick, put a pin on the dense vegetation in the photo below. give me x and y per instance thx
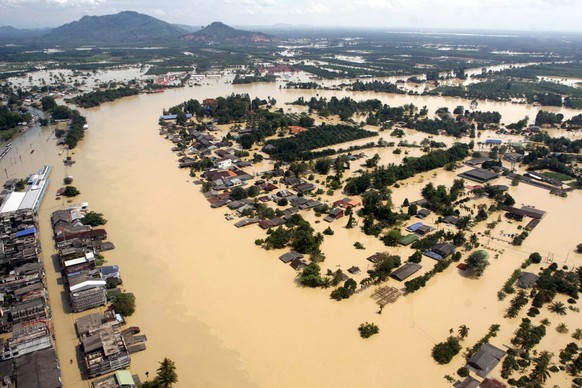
(391, 174)
(377, 86)
(291, 149)
(98, 97)
(11, 118)
(503, 89)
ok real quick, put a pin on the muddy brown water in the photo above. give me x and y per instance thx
(229, 313)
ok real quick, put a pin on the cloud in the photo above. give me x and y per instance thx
(62, 3)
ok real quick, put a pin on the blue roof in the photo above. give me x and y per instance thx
(492, 141)
(414, 226)
(433, 255)
(173, 117)
(26, 232)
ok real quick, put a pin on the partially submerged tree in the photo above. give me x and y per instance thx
(477, 262)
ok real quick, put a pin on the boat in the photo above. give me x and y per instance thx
(60, 153)
(31, 151)
(8, 145)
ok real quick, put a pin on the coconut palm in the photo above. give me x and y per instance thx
(577, 334)
(167, 373)
(562, 328)
(463, 331)
(541, 371)
(545, 322)
(558, 308)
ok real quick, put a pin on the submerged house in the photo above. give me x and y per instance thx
(290, 256)
(405, 271)
(527, 280)
(334, 214)
(440, 251)
(485, 359)
(479, 175)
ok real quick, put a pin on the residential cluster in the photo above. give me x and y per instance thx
(28, 356)
(105, 346)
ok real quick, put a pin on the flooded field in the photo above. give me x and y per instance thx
(228, 312)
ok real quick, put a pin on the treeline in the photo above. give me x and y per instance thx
(302, 85)
(558, 144)
(249, 79)
(344, 108)
(486, 117)
(96, 98)
(295, 148)
(377, 86)
(504, 89)
(434, 127)
(76, 129)
(549, 118)
(10, 119)
(391, 174)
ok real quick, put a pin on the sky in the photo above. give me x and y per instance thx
(524, 15)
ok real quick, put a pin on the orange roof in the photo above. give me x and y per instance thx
(231, 173)
(294, 129)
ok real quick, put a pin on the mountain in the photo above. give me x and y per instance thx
(188, 28)
(126, 27)
(220, 32)
(9, 32)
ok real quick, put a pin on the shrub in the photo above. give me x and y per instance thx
(71, 191)
(444, 352)
(463, 372)
(368, 329)
(328, 231)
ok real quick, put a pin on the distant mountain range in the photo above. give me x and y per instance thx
(124, 27)
(220, 32)
(132, 28)
(9, 32)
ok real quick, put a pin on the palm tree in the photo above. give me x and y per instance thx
(577, 334)
(167, 373)
(558, 308)
(463, 331)
(562, 328)
(545, 322)
(541, 371)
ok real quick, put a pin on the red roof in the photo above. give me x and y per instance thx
(294, 129)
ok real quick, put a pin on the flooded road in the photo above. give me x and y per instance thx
(229, 313)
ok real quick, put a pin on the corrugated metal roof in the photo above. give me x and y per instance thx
(13, 202)
(25, 232)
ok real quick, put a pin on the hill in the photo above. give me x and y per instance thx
(126, 27)
(220, 32)
(8, 33)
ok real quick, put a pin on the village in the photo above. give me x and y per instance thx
(287, 195)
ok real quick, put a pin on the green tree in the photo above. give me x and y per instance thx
(444, 352)
(48, 103)
(463, 331)
(238, 193)
(558, 308)
(368, 329)
(71, 191)
(166, 373)
(322, 166)
(477, 262)
(311, 276)
(124, 304)
(93, 219)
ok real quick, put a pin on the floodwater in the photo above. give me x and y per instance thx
(229, 313)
